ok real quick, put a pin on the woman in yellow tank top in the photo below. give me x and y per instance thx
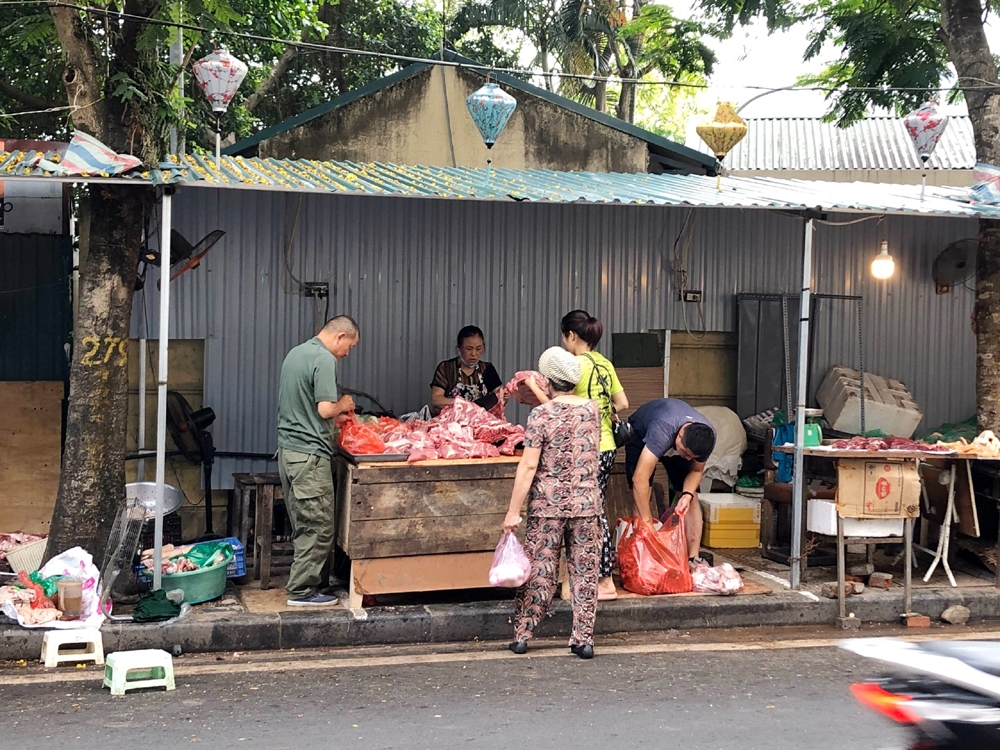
(581, 333)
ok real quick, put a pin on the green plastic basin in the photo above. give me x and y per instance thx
(198, 585)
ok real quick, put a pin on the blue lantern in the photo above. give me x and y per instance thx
(491, 108)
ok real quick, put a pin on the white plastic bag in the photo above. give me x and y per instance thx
(722, 579)
(74, 563)
(511, 567)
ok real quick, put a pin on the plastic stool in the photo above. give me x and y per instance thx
(134, 670)
(54, 653)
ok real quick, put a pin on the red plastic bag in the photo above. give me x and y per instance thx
(655, 562)
(359, 439)
(511, 567)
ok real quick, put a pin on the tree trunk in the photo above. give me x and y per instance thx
(601, 95)
(626, 103)
(964, 35)
(987, 325)
(91, 485)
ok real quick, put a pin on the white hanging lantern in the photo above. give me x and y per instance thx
(219, 75)
(925, 126)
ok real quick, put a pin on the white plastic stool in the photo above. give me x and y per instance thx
(54, 641)
(134, 670)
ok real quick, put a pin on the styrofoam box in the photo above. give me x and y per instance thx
(728, 508)
(822, 519)
(888, 404)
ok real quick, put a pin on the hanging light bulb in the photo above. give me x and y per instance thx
(883, 267)
(219, 75)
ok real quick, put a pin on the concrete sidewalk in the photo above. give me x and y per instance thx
(232, 626)
(248, 619)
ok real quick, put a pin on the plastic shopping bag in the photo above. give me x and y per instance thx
(73, 563)
(511, 567)
(359, 439)
(722, 579)
(655, 562)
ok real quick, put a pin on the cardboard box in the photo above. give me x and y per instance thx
(869, 488)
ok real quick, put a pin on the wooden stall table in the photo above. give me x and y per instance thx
(259, 490)
(425, 526)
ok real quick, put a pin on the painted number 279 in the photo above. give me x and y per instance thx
(98, 354)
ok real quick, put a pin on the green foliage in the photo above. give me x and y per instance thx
(882, 44)
(879, 44)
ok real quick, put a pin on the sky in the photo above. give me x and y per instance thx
(751, 57)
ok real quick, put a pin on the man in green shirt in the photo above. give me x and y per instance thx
(308, 408)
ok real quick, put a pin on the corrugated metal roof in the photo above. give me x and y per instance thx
(303, 175)
(809, 143)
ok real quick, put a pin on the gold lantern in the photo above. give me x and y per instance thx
(722, 133)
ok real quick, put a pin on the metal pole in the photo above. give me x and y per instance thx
(161, 383)
(141, 441)
(800, 408)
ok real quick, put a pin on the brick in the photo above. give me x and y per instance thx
(859, 588)
(861, 570)
(916, 621)
(880, 580)
(829, 590)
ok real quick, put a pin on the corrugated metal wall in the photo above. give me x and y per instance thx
(413, 271)
(35, 317)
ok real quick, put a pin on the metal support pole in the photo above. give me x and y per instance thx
(161, 382)
(141, 438)
(908, 576)
(798, 478)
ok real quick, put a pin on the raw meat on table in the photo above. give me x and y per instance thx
(518, 387)
(462, 430)
(886, 444)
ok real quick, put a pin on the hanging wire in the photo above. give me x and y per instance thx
(319, 47)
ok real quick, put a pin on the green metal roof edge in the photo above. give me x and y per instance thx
(692, 155)
(318, 111)
(591, 114)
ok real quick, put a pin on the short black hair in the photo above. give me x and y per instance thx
(561, 386)
(699, 439)
(345, 324)
(469, 332)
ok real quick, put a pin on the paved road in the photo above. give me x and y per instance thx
(403, 698)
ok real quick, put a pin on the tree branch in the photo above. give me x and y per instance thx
(28, 100)
(272, 79)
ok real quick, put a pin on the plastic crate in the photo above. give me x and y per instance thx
(172, 533)
(237, 566)
(27, 558)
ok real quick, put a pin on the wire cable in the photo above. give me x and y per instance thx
(318, 47)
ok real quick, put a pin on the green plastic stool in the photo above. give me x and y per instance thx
(136, 670)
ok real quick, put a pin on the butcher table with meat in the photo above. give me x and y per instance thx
(430, 520)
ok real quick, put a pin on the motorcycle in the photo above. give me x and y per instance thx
(946, 693)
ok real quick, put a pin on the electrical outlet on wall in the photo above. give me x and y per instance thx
(689, 295)
(319, 289)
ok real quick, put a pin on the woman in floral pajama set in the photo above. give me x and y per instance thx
(558, 475)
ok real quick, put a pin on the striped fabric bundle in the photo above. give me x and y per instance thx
(87, 155)
(986, 184)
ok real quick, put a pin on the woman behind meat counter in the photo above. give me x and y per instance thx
(558, 475)
(468, 376)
